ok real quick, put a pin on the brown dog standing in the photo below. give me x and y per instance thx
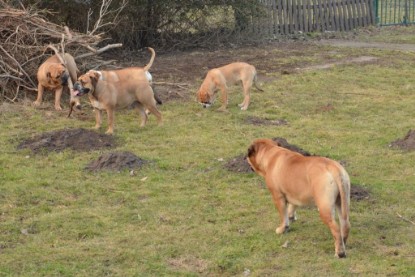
(295, 180)
(117, 89)
(222, 77)
(53, 75)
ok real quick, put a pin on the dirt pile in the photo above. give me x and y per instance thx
(116, 161)
(358, 193)
(407, 143)
(75, 139)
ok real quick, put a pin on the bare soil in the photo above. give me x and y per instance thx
(406, 143)
(76, 139)
(116, 161)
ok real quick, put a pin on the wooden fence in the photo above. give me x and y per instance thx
(293, 16)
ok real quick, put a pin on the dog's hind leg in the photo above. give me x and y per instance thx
(281, 204)
(156, 112)
(247, 84)
(291, 212)
(327, 215)
(143, 115)
(344, 223)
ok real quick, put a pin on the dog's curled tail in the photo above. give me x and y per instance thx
(150, 63)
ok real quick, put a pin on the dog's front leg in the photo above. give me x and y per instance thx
(281, 205)
(98, 119)
(224, 96)
(58, 94)
(39, 95)
(110, 114)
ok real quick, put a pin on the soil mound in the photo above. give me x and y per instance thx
(240, 165)
(358, 193)
(407, 143)
(75, 139)
(116, 161)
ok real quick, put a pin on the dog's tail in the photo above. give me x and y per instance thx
(342, 180)
(255, 84)
(153, 55)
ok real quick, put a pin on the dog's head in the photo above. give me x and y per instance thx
(256, 152)
(57, 74)
(86, 83)
(205, 98)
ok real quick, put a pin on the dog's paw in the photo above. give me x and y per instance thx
(340, 255)
(282, 230)
(36, 104)
(58, 108)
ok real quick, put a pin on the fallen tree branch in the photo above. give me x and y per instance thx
(99, 51)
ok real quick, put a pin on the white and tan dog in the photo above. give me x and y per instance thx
(53, 75)
(295, 180)
(223, 77)
(117, 89)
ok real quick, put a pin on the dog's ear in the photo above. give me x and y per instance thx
(252, 150)
(94, 77)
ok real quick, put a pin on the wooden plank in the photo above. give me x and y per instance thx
(286, 17)
(309, 23)
(336, 15)
(280, 17)
(290, 16)
(350, 14)
(372, 19)
(295, 16)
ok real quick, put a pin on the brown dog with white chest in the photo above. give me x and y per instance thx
(296, 180)
(221, 78)
(53, 75)
(118, 89)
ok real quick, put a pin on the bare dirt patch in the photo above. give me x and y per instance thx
(75, 139)
(359, 193)
(406, 143)
(116, 161)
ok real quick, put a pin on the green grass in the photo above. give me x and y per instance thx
(183, 214)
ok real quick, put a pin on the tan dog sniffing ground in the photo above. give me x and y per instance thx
(223, 77)
(117, 89)
(53, 75)
(295, 180)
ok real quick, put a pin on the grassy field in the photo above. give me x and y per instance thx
(184, 214)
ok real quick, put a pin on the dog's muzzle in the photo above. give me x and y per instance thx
(64, 78)
(78, 90)
(206, 104)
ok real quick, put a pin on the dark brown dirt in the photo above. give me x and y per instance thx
(116, 161)
(75, 139)
(359, 193)
(407, 143)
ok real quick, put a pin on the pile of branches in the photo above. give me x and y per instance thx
(24, 39)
